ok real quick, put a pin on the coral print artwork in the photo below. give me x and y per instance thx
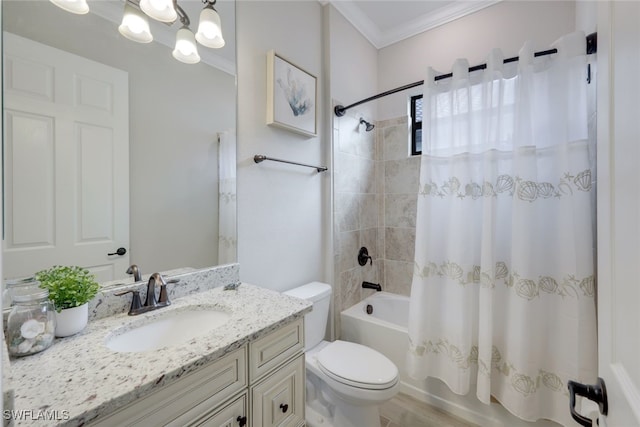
(295, 92)
(291, 100)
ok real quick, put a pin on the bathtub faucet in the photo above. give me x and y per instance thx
(369, 285)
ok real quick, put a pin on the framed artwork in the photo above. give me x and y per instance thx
(291, 96)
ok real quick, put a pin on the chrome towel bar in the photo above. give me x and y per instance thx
(260, 158)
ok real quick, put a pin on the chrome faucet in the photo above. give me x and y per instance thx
(150, 303)
(137, 274)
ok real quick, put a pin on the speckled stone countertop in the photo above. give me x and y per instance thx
(80, 379)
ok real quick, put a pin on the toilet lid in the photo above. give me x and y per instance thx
(357, 365)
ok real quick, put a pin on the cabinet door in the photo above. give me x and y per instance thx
(232, 415)
(268, 352)
(278, 400)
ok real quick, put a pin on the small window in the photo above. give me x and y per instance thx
(416, 125)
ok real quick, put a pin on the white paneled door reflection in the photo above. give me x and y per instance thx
(66, 179)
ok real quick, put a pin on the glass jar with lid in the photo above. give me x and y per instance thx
(31, 323)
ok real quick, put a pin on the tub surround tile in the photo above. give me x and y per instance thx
(368, 211)
(399, 244)
(402, 176)
(398, 276)
(401, 210)
(369, 239)
(348, 128)
(393, 122)
(348, 250)
(81, 375)
(366, 146)
(396, 142)
(367, 176)
(350, 284)
(347, 211)
(347, 173)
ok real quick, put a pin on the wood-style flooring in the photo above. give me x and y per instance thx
(405, 411)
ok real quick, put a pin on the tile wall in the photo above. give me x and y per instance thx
(375, 193)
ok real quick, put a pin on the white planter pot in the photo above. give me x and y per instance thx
(72, 320)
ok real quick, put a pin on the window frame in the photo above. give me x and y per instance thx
(415, 126)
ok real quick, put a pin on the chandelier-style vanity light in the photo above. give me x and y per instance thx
(135, 24)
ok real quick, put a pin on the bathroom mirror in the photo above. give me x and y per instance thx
(178, 186)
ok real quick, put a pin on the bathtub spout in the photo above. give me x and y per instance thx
(369, 285)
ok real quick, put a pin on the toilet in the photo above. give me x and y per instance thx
(345, 381)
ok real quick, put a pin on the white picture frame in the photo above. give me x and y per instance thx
(291, 96)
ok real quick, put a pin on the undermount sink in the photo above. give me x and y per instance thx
(166, 329)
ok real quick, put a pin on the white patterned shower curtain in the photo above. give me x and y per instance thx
(227, 241)
(503, 293)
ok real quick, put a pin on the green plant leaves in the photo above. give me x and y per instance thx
(68, 286)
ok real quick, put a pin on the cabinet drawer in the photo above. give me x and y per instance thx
(196, 393)
(279, 399)
(274, 349)
(233, 414)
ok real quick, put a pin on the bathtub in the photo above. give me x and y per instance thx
(385, 330)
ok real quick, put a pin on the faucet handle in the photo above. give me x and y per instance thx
(136, 304)
(163, 300)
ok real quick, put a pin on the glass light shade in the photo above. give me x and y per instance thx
(209, 29)
(186, 50)
(79, 7)
(160, 10)
(135, 25)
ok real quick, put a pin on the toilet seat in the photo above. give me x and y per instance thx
(357, 365)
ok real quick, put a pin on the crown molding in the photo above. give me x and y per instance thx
(163, 34)
(380, 39)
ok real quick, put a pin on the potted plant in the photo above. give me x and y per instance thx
(70, 289)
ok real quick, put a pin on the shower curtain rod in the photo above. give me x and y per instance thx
(339, 110)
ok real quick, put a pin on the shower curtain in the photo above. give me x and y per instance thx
(227, 197)
(503, 291)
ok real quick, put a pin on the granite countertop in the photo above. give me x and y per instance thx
(78, 379)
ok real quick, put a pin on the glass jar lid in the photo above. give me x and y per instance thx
(21, 281)
(36, 294)
(22, 287)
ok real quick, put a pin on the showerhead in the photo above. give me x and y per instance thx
(369, 126)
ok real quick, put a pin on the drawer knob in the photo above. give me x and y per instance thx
(242, 421)
(284, 407)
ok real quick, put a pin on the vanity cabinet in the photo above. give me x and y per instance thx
(260, 384)
(277, 378)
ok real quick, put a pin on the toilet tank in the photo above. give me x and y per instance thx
(315, 322)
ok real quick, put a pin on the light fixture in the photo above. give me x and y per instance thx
(186, 49)
(160, 10)
(135, 25)
(79, 7)
(209, 29)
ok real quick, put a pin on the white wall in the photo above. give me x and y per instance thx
(506, 25)
(353, 64)
(283, 210)
(176, 111)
